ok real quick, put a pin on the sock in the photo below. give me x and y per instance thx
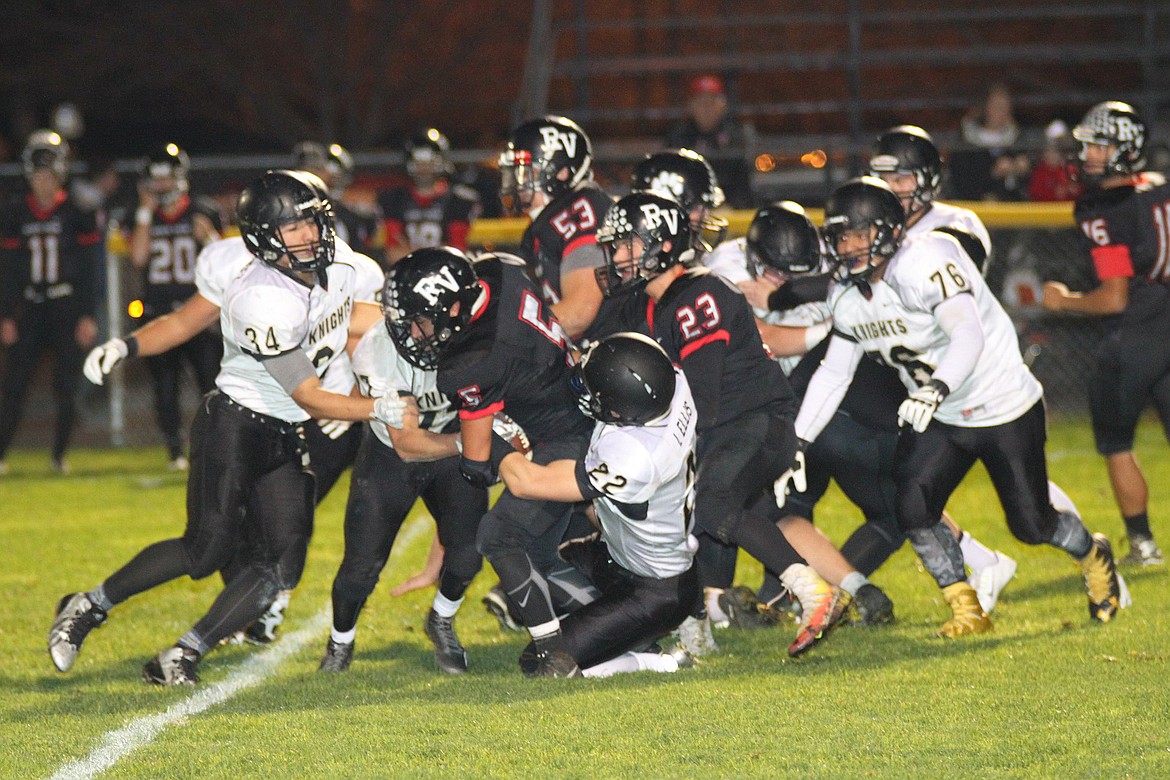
(192, 641)
(343, 637)
(545, 630)
(714, 611)
(1071, 535)
(975, 553)
(445, 607)
(633, 662)
(1138, 526)
(853, 582)
(98, 598)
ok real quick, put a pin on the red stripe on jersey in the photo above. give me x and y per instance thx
(475, 414)
(487, 298)
(42, 214)
(1112, 261)
(650, 315)
(9, 243)
(719, 335)
(393, 229)
(579, 242)
(89, 239)
(457, 234)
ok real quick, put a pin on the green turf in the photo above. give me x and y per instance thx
(1046, 694)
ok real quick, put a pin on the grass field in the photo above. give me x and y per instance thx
(1047, 694)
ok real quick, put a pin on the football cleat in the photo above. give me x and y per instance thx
(1101, 584)
(967, 614)
(497, 602)
(178, 464)
(742, 608)
(60, 467)
(3, 468)
(990, 581)
(450, 656)
(695, 637)
(682, 658)
(338, 656)
(1143, 551)
(549, 664)
(262, 631)
(822, 606)
(76, 617)
(873, 606)
(173, 666)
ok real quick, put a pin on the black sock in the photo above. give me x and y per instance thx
(1138, 525)
(870, 546)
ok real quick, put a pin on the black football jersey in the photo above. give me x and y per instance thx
(512, 358)
(359, 227)
(705, 325)
(568, 222)
(1127, 232)
(169, 276)
(421, 221)
(48, 254)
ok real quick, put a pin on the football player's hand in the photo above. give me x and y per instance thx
(1053, 296)
(8, 332)
(794, 480)
(918, 409)
(102, 359)
(85, 334)
(390, 409)
(334, 429)
(757, 291)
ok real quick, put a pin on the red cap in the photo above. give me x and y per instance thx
(707, 84)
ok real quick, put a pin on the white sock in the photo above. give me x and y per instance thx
(853, 582)
(444, 606)
(545, 629)
(1060, 500)
(633, 662)
(975, 553)
(343, 637)
(711, 602)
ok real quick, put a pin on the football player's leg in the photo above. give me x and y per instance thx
(457, 507)
(332, 456)
(19, 364)
(67, 359)
(164, 376)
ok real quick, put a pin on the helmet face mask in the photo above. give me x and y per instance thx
(908, 151)
(624, 379)
(1110, 125)
(288, 206)
(46, 150)
(686, 177)
(427, 300)
(863, 228)
(549, 156)
(642, 236)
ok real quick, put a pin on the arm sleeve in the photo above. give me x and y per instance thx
(958, 316)
(803, 289)
(828, 386)
(289, 369)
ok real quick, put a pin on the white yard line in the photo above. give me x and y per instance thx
(116, 745)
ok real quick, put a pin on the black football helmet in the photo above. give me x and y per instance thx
(782, 239)
(550, 155)
(276, 199)
(1115, 124)
(686, 176)
(624, 379)
(333, 163)
(661, 226)
(909, 149)
(426, 156)
(46, 149)
(166, 169)
(419, 302)
(858, 204)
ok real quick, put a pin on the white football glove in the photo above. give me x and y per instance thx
(389, 409)
(101, 360)
(918, 409)
(334, 429)
(794, 480)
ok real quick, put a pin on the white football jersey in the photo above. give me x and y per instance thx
(646, 473)
(338, 377)
(945, 215)
(265, 313)
(898, 324)
(381, 370)
(218, 264)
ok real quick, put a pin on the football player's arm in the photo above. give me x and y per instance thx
(827, 387)
(361, 319)
(90, 238)
(1110, 298)
(803, 289)
(790, 341)
(958, 316)
(415, 445)
(139, 242)
(555, 482)
(11, 285)
(180, 326)
(294, 370)
(580, 300)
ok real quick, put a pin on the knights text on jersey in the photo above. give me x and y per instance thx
(701, 313)
(642, 480)
(169, 276)
(443, 218)
(48, 254)
(1126, 230)
(264, 314)
(381, 370)
(897, 325)
(568, 223)
(512, 358)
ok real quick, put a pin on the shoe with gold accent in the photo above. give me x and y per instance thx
(822, 606)
(967, 616)
(1101, 583)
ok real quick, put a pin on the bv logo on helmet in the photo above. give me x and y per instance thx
(429, 287)
(554, 139)
(655, 216)
(1126, 131)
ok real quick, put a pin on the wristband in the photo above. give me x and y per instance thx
(131, 346)
(143, 216)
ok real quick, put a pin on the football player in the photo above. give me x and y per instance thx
(923, 308)
(170, 229)
(430, 211)
(284, 320)
(743, 402)
(497, 350)
(1124, 215)
(50, 259)
(546, 173)
(358, 226)
(639, 474)
(687, 178)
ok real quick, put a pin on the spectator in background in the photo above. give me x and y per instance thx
(712, 132)
(358, 226)
(1051, 178)
(991, 166)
